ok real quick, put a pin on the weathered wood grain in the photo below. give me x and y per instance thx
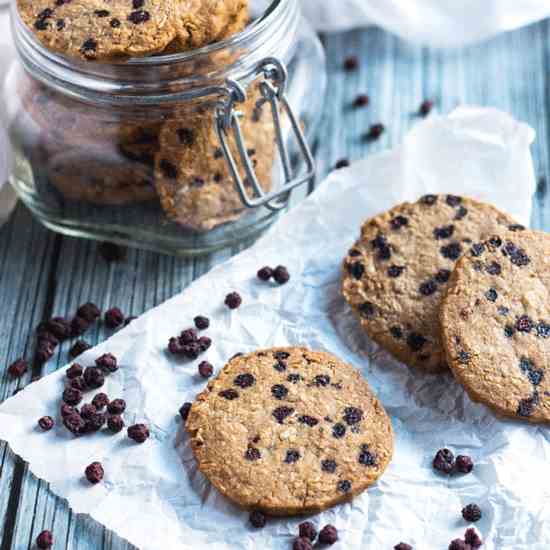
(42, 274)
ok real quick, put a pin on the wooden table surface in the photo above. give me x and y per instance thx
(42, 274)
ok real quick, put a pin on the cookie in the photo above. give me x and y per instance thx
(289, 431)
(99, 176)
(107, 29)
(192, 178)
(495, 323)
(396, 274)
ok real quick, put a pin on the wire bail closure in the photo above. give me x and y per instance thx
(272, 89)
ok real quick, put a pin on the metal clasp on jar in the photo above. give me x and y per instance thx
(272, 89)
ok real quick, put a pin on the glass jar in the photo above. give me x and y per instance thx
(180, 153)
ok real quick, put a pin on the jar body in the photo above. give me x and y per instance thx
(142, 164)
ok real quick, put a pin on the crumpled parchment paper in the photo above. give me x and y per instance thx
(153, 495)
(447, 23)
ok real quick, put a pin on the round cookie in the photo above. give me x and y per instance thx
(289, 431)
(191, 174)
(396, 273)
(101, 29)
(495, 323)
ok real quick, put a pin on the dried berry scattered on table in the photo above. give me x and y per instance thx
(307, 530)
(44, 351)
(44, 540)
(362, 100)
(138, 432)
(471, 512)
(88, 311)
(328, 534)
(94, 377)
(79, 326)
(459, 544)
(107, 362)
(472, 538)
(233, 300)
(18, 368)
(257, 519)
(184, 410)
(128, 320)
(94, 422)
(342, 163)
(94, 472)
(116, 406)
(425, 107)
(375, 131)
(301, 544)
(78, 383)
(72, 396)
(265, 273)
(464, 464)
(281, 275)
(74, 423)
(74, 371)
(204, 343)
(46, 423)
(351, 63)
(444, 461)
(205, 369)
(114, 317)
(201, 322)
(402, 546)
(66, 410)
(100, 401)
(58, 326)
(87, 411)
(115, 423)
(79, 347)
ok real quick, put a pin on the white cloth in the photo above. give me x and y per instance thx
(153, 495)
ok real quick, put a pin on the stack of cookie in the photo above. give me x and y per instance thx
(449, 282)
(101, 156)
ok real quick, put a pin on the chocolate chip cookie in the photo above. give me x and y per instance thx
(495, 323)
(289, 431)
(191, 175)
(396, 273)
(107, 29)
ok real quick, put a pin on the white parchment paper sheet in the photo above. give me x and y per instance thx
(436, 22)
(153, 495)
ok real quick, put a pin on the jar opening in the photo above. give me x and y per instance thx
(163, 77)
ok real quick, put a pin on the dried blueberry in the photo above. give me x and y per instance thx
(344, 486)
(341, 163)
(94, 472)
(352, 415)
(88, 311)
(367, 310)
(328, 535)
(229, 394)
(398, 222)
(524, 324)
(244, 380)
(66, 410)
(205, 369)
(188, 336)
(87, 410)
(46, 423)
(516, 227)
(257, 519)
(425, 107)
(459, 544)
(362, 100)
(116, 406)
(445, 232)
(464, 464)
(281, 275)
(59, 327)
(502, 310)
(428, 200)
(279, 391)
(416, 341)
(100, 401)
(79, 326)
(366, 457)
(265, 273)
(442, 276)
(44, 540)
(185, 410)
(201, 322)
(308, 420)
(543, 330)
(94, 377)
(517, 255)
(351, 63)
(338, 430)
(396, 332)
(18, 368)
(115, 424)
(472, 538)
(301, 544)
(428, 287)
(280, 413)
(79, 347)
(114, 317)
(322, 380)
(328, 465)
(279, 366)
(252, 453)
(453, 200)
(292, 455)
(509, 331)
(451, 251)
(494, 268)
(74, 423)
(107, 362)
(356, 270)
(233, 300)
(94, 422)
(461, 213)
(471, 512)
(138, 432)
(444, 461)
(491, 295)
(395, 271)
(44, 351)
(72, 396)
(204, 342)
(307, 530)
